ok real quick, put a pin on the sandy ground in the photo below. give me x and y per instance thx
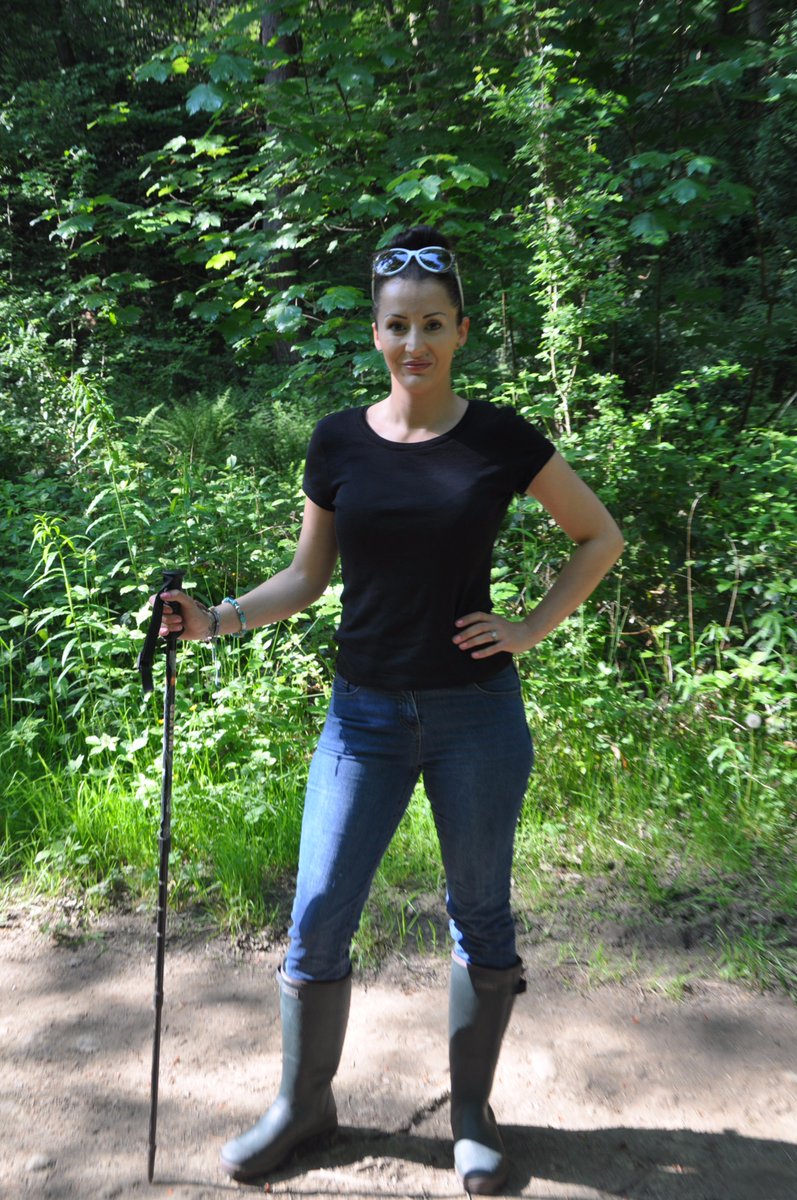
(616, 1090)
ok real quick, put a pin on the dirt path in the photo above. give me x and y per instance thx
(613, 1091)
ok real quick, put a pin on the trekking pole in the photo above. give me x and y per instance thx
(172, 580)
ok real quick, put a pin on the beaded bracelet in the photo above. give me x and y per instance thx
(240, 612)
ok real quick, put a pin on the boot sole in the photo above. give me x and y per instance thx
(483, 1185)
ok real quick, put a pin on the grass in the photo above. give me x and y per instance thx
(679, 811)
(595, 965)
(673, 987)
(623, 791)
(760, 954)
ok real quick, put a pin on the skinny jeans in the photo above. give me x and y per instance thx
(472, 748)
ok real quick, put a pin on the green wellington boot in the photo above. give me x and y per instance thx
(480, 1003)
(314, 1018)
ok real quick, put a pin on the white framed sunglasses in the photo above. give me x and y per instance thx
(438, 260)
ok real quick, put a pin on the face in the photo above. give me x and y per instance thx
(417, 332)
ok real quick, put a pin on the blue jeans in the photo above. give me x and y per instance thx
(472, 747)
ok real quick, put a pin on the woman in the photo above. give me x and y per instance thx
(410, 492)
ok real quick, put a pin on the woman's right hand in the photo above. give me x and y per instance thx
(190, 621)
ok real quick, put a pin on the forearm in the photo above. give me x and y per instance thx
(281, 596)
(579, 577)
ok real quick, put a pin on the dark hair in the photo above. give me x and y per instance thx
(416, 238)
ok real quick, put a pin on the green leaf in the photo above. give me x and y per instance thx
(465, 175)
(129, 314)
(340, 297)
(684, 190)
(175, 213)
(286, 317)
(209, 310)
(181, 65)
(733, 198)
(80, 223)
(405, 181)
(205, 98)
(349, 76)
(227, 66)
(220, 260)
(157, 70)
(723, 72)
(430, 186)
(781, 85)
(214, 147)
(106, 741)
(700, 165)
(296, 140)
(652, 158)
(207, 220)
(249, 196)
(365, 361)
(117, 114)
(649, 227)
(408, 189)
(368, 206)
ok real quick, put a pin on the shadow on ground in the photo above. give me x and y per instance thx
(636, 1164)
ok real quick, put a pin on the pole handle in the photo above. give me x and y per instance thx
(172, 581)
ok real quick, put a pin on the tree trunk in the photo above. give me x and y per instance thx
(442, 19)
(289, 43)
(63, 46)
(758, 19)
(393, 19)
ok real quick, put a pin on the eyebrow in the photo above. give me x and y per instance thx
(425, 315)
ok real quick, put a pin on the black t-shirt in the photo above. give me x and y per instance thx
(415, 524)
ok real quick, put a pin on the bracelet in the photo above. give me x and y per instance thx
(240, 613)
(215, 620)
(213, 616)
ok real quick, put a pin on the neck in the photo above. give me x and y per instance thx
(404, 416)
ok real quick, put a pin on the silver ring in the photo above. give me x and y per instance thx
(494, 635)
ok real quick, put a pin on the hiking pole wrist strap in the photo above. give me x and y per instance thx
(172, 581)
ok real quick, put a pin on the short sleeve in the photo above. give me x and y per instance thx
(531, 450)
(316, 483)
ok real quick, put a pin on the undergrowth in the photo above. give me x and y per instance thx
(664, 750)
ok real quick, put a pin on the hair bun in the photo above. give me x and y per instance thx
(417, 237)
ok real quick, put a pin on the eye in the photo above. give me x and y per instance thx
(396, 326)
(433, 326)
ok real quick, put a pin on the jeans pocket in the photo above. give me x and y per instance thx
(342, 687)
(505, 683)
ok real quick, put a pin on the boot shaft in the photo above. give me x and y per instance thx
(480, 1005)
(314, 1017)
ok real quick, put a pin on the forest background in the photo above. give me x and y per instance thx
(190, 196)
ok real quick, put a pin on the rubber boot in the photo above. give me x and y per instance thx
(314, 1018)
(480, 1003)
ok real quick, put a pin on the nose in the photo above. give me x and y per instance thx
(415, 337)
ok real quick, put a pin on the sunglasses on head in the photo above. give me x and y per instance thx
(436, 259)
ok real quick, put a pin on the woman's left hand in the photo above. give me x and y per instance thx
(485, 634)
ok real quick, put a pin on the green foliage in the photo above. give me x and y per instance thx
(632, 737)
(190, 203)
